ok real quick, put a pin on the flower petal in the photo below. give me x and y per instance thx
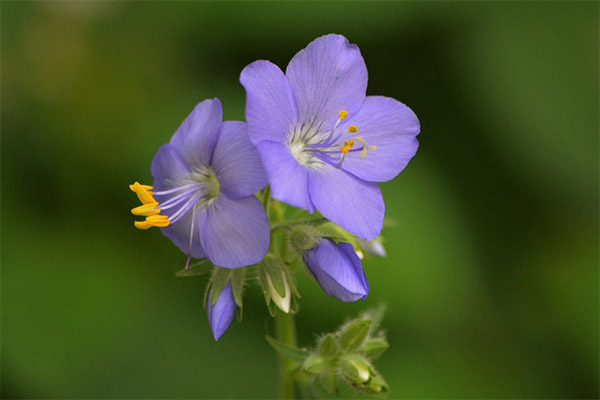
(329, 75)
(180, 231)
(271, 109)
(170, 171)
(196, 137)
(221, 314)
(288, 179)
(235, 233)
(355, 205)
(237, 163)
(338, 270)
(392, 127)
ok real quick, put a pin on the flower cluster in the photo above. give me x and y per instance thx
(313, 140)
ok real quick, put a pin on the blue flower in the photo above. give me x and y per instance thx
(338, 270)
(323, 142)
(203, 194)
(221, 314)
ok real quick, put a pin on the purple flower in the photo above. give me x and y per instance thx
(204, 184)
(338, 270)
(323, 142)
(221, 314)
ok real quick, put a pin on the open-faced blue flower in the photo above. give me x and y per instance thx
(338, 270)
(323, 142)
(203, 194)
(221, 314)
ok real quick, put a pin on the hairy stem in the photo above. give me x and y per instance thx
(286, 334)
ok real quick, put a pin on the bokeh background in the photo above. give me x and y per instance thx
(491, 278)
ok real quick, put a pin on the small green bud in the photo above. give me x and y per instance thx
(304, 237)
(354, 334)
(314, 365)
(356, 369)
(329, 347)
(374, 347)
(274, 282)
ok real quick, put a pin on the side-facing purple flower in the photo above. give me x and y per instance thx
(338, 270)
(323, 142)
(221, 314)
(203, 195)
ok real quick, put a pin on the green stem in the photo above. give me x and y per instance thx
(286, 334)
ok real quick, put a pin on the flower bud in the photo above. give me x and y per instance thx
(314, 365)
(338, 270)
(283, 302)
(355, 369)
(373, 247)
(221, 313)
(329, 347)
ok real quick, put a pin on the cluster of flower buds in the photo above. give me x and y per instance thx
(344, 357)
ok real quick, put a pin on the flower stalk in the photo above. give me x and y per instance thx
(286, 334)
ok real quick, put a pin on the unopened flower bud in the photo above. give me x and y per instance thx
(338, 270)
(355, 369)
(283, 302)
(314, 365)
(221, 313)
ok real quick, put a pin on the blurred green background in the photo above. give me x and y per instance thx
(491, 279)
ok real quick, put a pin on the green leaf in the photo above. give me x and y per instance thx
(200, 268)
(288, 351)
(354, 334)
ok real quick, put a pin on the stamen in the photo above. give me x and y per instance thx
(363, 153)
(343, 114)
(142, 225)
(146, 209)
(189, 254)
(352, 129)
(158, 220)
(347, 146)
(142, 193)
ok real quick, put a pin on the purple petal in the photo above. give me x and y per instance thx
(392, 127)
(196, 137)
(288, 179)
(168, 169)
(355, 205)
(271, 110)
(327, 76)
(221, 314)
(338, 270)
(180, 231)
(235, 233)
(237, 163)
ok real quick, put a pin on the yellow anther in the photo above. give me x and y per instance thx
(347, 146)
(158, 220)
(343, 114)
(352, 129)
(146, 209)
(142, 225)
(142, 193)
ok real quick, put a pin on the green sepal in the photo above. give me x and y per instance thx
(288, 351)
(314, 365)
(237, 285)
(202, 267)
(272, 308)
(330, 382)
(274, 268)
(220, 279)
(375, 315)
(374, 347)
(354, 334)
(329, 347)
